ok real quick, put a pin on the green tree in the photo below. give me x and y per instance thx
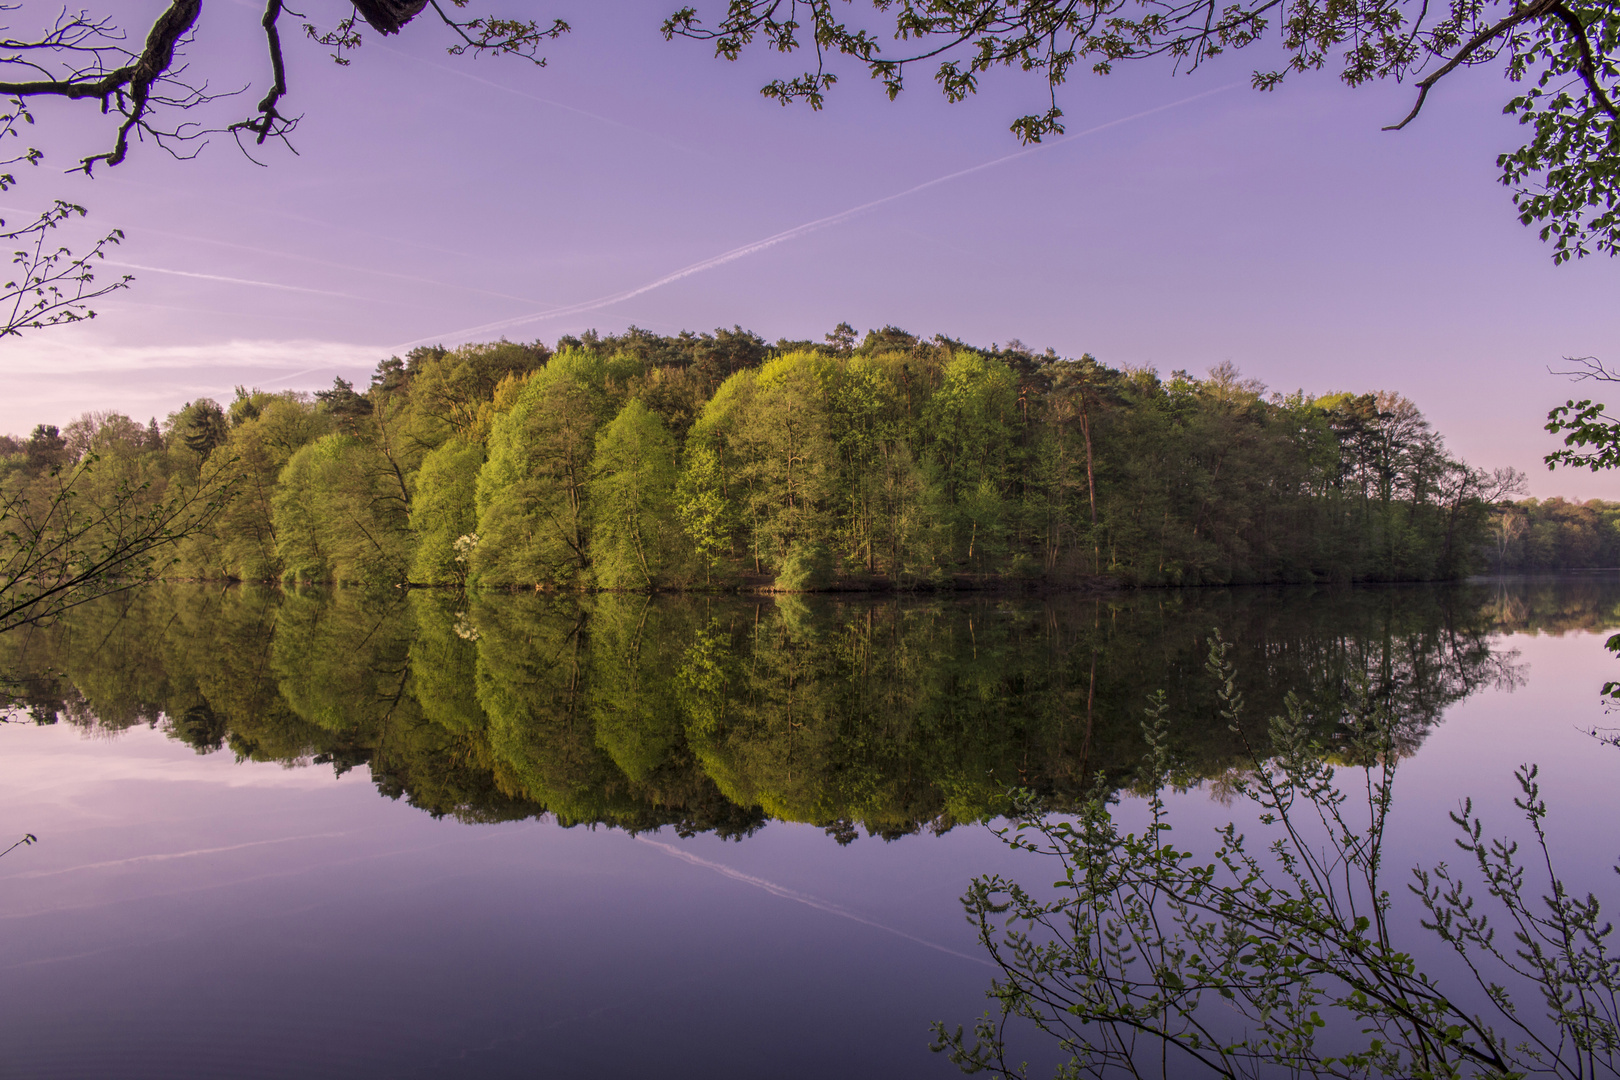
(338, 516)
(700, 503)
(712, 488)
(452, 391)
(970, 425)
(266, 431)
(444, 510)
(636, 541)
(200, 426)
(74, 531)
(785, 456)
(533, 523)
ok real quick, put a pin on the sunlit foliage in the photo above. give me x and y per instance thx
(645, 462)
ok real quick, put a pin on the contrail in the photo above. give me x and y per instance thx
(297, 375)
(805, 229)
(337, 265)
(240, 281)
(31, 874)
(804, 898)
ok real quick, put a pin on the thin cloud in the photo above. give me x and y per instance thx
(63, 356)
(805, 229)
(55, 378)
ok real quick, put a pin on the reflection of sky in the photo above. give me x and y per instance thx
(185, 915)
(1284, 232)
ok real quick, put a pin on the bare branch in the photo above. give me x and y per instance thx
(83, 58)
(270, 122)
(1587, 367)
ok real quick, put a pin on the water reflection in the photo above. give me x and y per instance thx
(883, 716)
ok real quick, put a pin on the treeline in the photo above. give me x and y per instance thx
(643, 461)
(717, 713)
(1533, 535)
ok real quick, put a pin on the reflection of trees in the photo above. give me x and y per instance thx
(716, 714)
(1555, 604)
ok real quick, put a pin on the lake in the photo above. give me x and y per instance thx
(414, 834)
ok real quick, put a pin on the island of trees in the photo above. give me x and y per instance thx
(642, 462)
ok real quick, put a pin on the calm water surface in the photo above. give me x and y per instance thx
(341, 835)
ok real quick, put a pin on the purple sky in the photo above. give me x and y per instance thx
(434, 196)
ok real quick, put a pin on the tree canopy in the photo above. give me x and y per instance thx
(639, 462)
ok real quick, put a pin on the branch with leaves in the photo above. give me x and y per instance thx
(1591, 435)
(1288, 959)
(51, 286)
(62, 545)
(1566, 178)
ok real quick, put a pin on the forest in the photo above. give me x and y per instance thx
(646, 462)
(1532, 535)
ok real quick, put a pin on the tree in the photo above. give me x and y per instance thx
(970, 430)
(700, 501)
(785, 453)
(444, 512)
(635, 539)
(865, 423)
(50, 286)
(339, 515)
(532, 491)
(266, 431)
(200, 426)
(711, 488)
(1079, 391)
(1561, 56)
(451, 390)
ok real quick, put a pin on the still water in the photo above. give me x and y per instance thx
(332, 834)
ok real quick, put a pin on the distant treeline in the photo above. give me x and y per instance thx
(1553, 534)
(716, 460)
